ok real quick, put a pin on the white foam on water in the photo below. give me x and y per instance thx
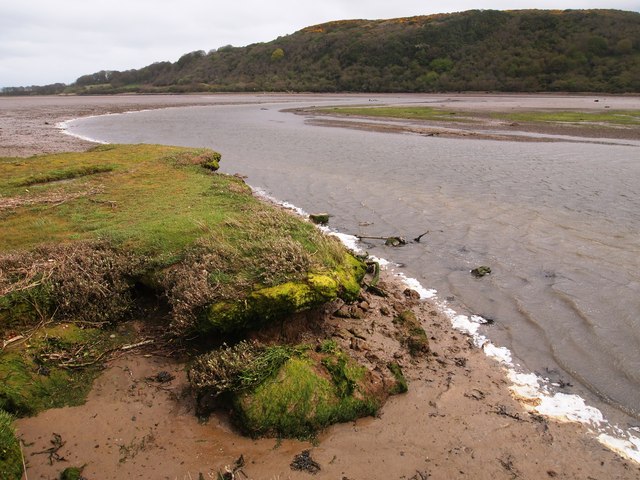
(414, 284)
(629, 448)
(64, 126)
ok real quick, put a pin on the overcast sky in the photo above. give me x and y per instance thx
(49, 41)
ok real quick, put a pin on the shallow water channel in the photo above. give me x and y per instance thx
(558, 223)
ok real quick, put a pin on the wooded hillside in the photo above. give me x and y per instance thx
(527, 50)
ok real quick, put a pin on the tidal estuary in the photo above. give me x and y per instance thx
(557, 222)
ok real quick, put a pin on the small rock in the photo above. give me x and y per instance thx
(304, 462)
(395, 241)
(384, 310)
(162, 377)
(481, 271)
(342, 333)
(319, 218)
(358, 345)
(412, 294)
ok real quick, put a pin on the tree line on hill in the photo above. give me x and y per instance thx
(478, 50)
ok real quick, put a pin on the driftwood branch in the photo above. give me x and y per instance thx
(393, 241)
(389, 241)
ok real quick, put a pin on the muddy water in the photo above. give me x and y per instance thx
(558, 223)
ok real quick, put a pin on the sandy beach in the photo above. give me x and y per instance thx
(458, 420)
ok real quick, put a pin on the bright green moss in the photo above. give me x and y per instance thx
(349, 276)
(401, 385)
(285, 391)
(71, 473)
(265, 305)
(303, 398)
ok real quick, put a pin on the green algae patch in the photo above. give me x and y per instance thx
(262, 306)
(401, 385)
(307, 394)
(10, 454)
(268, 304)
(287, 391)
(54, 368)
(72, 473)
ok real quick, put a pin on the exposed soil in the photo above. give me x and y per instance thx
(458, 419)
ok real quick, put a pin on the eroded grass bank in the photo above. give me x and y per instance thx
(92, 239)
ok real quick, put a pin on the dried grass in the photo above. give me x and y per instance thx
(82, 282)
(54, 198)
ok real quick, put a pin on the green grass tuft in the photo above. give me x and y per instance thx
(10, 453)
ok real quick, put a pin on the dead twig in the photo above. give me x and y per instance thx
(58, 443)
(6, 343)
(70, 364)
(24, 464)
(136, 345)
(419, 237)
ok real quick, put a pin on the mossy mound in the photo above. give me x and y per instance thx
(46, 371)
(412, 334)
(288, 391)
(10, 454)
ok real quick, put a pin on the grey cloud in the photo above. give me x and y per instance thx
(42, 41)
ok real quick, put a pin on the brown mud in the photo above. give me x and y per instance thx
(457, 420)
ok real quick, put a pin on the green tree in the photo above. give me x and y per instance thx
(277, 54)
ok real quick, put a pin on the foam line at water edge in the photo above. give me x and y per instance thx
(534, 392)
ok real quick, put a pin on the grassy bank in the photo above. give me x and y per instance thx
(408, 113)
(612, 118)
(92, 239)
(82, 231)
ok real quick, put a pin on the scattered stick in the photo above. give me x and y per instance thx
(71, 364)
(58, 443)
(419, 237)
(24, 464)
(136, 345)
(6, 343)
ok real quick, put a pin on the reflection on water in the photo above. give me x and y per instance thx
(559, 224)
